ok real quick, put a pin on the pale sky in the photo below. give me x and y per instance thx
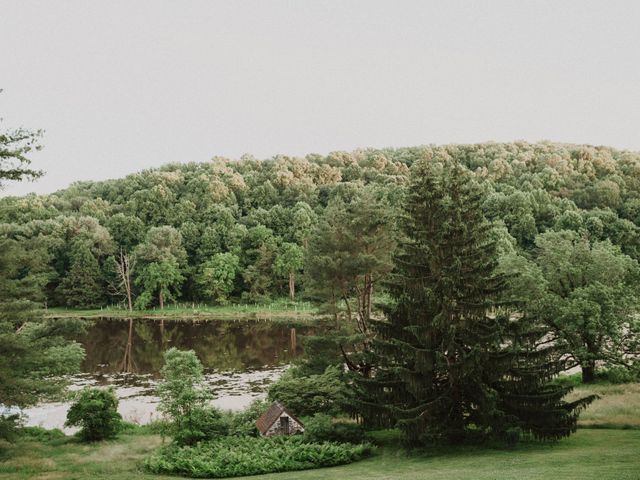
(120, 86)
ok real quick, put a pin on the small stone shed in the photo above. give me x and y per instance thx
(278, 421)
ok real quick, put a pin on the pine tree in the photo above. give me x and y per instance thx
(82, 285)
(348, 256)
(35, 355)
(452, 360)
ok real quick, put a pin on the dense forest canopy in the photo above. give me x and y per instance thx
(222, 229)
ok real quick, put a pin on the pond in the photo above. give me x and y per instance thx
(241, 358)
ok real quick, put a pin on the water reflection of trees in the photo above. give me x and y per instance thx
(222, 345)
(128, 364)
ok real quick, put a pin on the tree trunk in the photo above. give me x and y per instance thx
(292, 285)
(161, 300)
(129, 297)
(589, 372)
(125, 265)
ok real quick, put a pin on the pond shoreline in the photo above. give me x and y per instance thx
(195, 317)
(275, 312)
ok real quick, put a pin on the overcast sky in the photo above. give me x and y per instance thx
(120, 86)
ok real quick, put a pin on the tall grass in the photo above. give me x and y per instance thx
(617, 407)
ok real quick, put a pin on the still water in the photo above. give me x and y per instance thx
(241, 358)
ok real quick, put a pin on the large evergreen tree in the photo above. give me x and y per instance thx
(452, 360)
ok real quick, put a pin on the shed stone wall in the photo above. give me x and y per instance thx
(275, 429)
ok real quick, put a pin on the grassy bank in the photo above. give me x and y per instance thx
(617, 407)
(277, 310)
(589, 454)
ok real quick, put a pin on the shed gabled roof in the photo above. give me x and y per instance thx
(271, 415)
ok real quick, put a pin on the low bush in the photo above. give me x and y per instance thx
(238, 456)
(40, 434)
(204, 423)
(9, 425)
(614, 375)
(95, 410)
(572, 380)
(617, 375)
(322, 428)
(243, 423)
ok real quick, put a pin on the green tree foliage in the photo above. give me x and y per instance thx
(453, 361)
(95, 410)
(183, 399)
(260, 251)
(161, 260)
(34, 354)
(591, 300)
(306, 395)
(349, 254)
(82, 286)
(323, 428)
(218, 276)
(16, 145)
(159, 280)
(197, 210)
(127, 231)
(289, 262)
(304, 220)
(162, 243)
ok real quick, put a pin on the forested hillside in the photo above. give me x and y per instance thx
(229, 229)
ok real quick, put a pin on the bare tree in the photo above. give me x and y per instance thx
(124, 267)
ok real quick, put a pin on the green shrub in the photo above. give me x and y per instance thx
(617, 375)
(512, 436)
(95, 410)
(322, 428)
(9, 427)
(243, 423)
(572, 380)
(238, 456)
(614, 375)
(156, 427)
(307, 395)
(40, 434)
(202, 424)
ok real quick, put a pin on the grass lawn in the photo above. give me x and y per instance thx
(281, 309)
(589, 454)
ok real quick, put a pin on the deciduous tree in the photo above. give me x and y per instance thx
(289, 262)
(159, 280)
(591, 300)
(218, 276)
